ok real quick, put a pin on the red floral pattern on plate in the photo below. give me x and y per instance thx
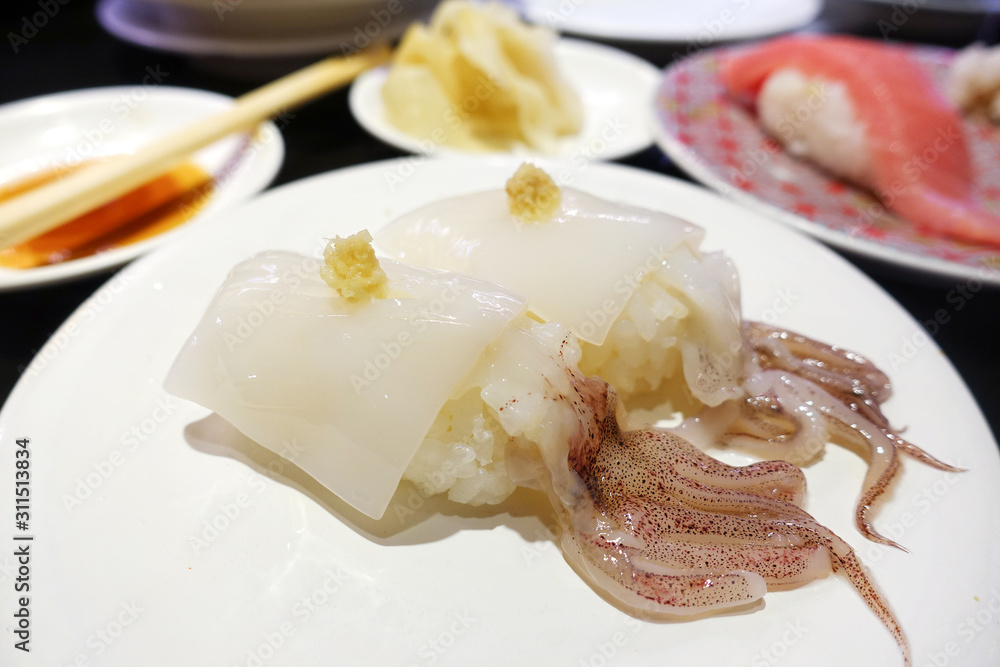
(721, 144)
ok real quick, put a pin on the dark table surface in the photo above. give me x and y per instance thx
(72, 51)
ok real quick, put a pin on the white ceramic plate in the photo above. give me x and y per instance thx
(44, 133)
(247, 29)
(616, 89)
(698, 23)
(163, 539)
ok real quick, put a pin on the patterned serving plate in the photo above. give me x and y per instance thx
(719, 142)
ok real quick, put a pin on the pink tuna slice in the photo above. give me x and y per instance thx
(922, 168)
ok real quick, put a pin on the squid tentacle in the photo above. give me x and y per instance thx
(661, 528)
(802, 393)
(851, 378)
(664, 529)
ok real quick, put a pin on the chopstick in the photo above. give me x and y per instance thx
(44, 208)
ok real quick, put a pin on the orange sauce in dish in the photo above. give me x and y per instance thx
(161, 204)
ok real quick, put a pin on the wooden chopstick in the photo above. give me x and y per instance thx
(44, 208)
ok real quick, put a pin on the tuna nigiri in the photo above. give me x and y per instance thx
(883, 123)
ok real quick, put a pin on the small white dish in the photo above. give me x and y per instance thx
(44, 133)
(699, 23)
(616, 89)
(246, 29)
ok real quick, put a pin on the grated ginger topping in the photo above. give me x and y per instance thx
(352, 268)
(532, 195)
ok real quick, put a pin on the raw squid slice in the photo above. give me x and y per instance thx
(875, 117)
(280, 355)
(652, 309)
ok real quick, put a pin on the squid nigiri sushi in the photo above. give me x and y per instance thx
(653, 312)
(281, 355)
(381, 371)
(881, 122)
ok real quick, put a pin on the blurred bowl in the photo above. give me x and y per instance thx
(259, 28)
